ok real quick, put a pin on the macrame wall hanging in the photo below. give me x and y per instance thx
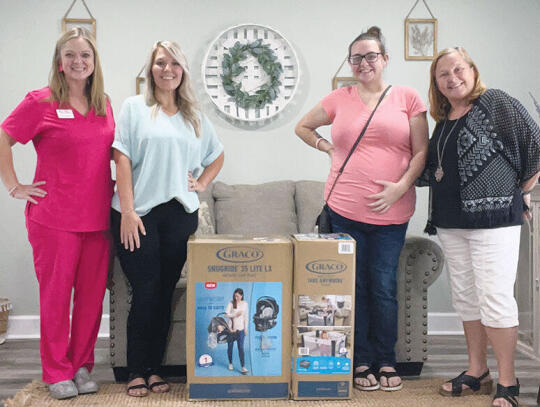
(420, 36)
(88, 23)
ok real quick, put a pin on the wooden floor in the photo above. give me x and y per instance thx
(20, 364)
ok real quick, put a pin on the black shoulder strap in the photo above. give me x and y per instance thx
(357, 141)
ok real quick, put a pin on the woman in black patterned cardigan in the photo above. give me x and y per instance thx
(483, 161)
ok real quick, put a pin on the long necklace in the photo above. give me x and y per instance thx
(439, 173)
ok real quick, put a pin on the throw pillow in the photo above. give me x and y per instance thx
(309, 202)
(261, 209)
(206, 227)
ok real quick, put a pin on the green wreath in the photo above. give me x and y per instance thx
(268, 91)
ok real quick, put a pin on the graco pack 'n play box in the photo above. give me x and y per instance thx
(323, 316)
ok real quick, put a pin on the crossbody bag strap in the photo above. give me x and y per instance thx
(357, 141)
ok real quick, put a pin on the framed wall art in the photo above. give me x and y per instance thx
(88, 23)
(342, 81)
(139, 84)
(420, 39)
(420, 36)
(140, 81)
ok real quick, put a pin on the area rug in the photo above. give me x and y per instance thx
(417, 393)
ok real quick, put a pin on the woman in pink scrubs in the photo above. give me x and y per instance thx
(71, 125)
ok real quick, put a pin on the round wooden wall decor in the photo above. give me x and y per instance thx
(250, 72)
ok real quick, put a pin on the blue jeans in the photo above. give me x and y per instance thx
(376, 310)
(239, 339)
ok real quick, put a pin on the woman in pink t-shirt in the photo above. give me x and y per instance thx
(374, 197)
(71, 125)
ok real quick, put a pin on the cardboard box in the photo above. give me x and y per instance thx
(262, 268)
(323, 316)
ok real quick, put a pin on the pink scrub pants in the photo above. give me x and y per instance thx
(67, 262)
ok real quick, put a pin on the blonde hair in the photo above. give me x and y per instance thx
(439, 104)
(58, 85)
(184, 96)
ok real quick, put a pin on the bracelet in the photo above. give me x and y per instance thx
(12, 190)
(318, 141)
(126, 212)
(523, 193)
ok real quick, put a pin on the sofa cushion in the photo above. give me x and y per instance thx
(206, 227)
(309, 201)
(255, 209)
(206, 196)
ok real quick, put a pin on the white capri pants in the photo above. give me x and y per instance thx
(482, 264)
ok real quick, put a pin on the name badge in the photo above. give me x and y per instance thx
(65, 113)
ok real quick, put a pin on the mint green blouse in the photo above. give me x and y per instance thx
(162, 151)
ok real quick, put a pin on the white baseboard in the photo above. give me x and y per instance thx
(444, 323)
(27, 327)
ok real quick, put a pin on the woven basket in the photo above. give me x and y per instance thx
(5, 307)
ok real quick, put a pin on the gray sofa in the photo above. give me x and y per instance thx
(282, 207)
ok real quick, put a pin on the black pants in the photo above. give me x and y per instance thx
(153, 271)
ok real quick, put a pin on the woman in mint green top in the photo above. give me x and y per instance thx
(165, 152)
(161, 148)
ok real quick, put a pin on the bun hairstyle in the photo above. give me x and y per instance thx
(373, 33)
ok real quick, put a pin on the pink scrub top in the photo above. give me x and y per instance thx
(383, 153)
(73, 158)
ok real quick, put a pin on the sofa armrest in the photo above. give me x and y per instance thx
(423, 258)
(120, 303)
(420, 263)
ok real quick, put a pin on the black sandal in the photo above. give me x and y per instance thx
(364, 375)
(159, 383)
(388, 375)
(137, 386)
(474, 383)
(509, 393)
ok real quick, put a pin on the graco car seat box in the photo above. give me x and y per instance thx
(323, 316)
(239, 302)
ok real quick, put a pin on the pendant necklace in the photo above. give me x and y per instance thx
(439, 173)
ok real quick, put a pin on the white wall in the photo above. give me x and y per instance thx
(502, 37)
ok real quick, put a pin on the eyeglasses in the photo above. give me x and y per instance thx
(356, 59)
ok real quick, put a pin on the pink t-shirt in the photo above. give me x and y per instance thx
(73, 157)
(383, 153)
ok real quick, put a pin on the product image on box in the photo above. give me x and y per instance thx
(322, 343)
(265, 319)
(325, 310)
(323, 351)
(238, 329)
(218, 330)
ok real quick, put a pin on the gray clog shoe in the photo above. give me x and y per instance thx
(84, 383)
(63, 390)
